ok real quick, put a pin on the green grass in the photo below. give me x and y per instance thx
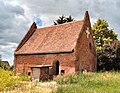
(107, 82)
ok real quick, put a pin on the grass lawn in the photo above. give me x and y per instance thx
(107, 82)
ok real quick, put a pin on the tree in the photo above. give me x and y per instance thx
(108, 53)
(109, 57)
(102, 34)
(0, 57)
(69, 19)
(1, 64)
(62, 19)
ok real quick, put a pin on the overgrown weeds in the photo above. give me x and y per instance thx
(9, 83)
(8, 79)
(107, 82)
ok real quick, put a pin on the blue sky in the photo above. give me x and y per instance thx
(16, 16)
(38, 21)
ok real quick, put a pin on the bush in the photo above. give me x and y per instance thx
(7, 79)
(109, 58)
(24, 77)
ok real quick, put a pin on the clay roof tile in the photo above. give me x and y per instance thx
(58, 38)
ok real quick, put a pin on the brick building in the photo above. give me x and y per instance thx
(67, 47)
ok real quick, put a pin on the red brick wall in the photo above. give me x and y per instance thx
(85, 52)
(67, 61)
(84, 57)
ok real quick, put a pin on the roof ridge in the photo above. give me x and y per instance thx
(49, 26)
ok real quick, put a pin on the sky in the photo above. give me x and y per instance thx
(16, 16)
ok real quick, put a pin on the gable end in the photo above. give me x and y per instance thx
(27, 36)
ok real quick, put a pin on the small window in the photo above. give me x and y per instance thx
(28, 73)
(62, 71)
(90, 46)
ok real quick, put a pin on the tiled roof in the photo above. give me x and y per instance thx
(58, 38)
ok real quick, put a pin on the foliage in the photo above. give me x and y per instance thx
(7, 79)
(24, 77)
(9, 83)
(0, 57)
(62, 19)
(107, 82)
(4, 66)
(11, 68)
(109, 58)
(1, 64)
(102, 34)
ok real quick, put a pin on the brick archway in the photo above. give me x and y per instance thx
(56, 67)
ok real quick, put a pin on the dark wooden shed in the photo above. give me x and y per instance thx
(40, 72)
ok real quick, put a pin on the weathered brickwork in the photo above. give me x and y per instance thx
(85, 54)
(24, 62)
(71, 55)
(85, 49)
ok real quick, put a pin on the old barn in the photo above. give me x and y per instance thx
(67, 48)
